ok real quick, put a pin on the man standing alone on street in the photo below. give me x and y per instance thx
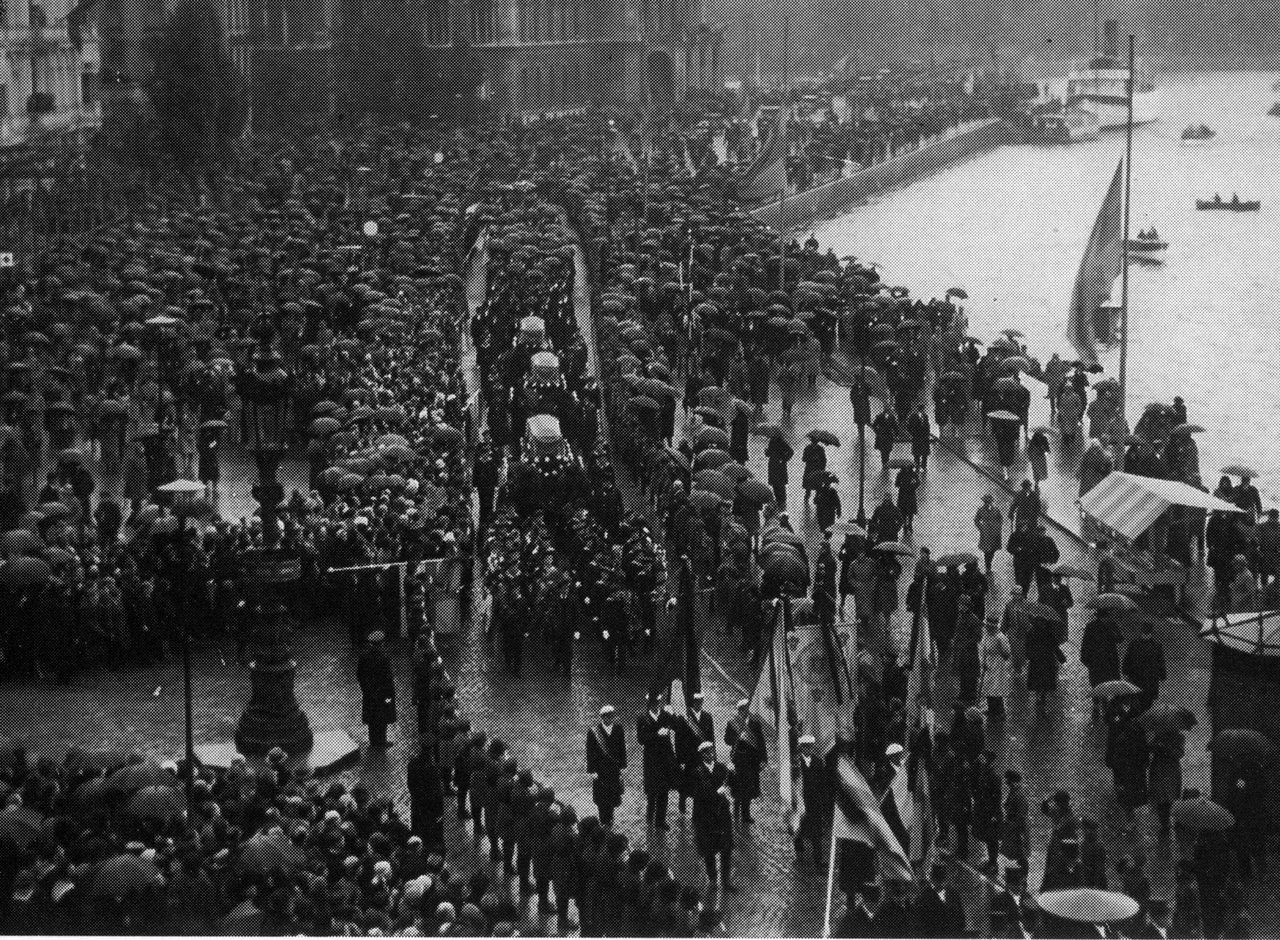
(606, 759)
(377, 690)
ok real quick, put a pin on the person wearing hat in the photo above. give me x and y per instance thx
(377, 690)
(606, 760)
(815, 819)
(656, 732)
(709, 782)
(693, 730)
(744, 734)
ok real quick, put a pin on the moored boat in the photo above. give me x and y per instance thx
(1234, 204)
(1198, 132)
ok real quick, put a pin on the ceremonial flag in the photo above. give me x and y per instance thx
(858, 818)
(680, 648)
(766, 177)
(821, 678)
(772, 702)
(1099, 269)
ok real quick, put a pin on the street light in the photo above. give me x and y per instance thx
(184, 493)
(272, 717)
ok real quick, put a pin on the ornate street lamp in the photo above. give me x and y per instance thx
(272, 717)
(184, 493)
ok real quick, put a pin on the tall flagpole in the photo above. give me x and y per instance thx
(783, 229)
(831, 885)
(1124, 243)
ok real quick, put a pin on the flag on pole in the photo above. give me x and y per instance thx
(820, 678)
(679, 648)
(912, 793)
(857, 818)
(771, 702)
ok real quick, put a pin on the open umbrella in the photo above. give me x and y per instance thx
(956, 559)
(1003, 415)
(786, 567)
(755, 492)
(780, 535)
(711, 437)
(768, 430)
(17, 541)
(1235, 744)
(1236, 470)
(123, 876)
(90, 796)
(1114, 688)
(1112, 601)
(1161, 718)
(23, 572)
(958, 292)
(702, 500)
(1088, 905)
(713, 481)
(1202, 815)
(824, 437)
(710, 459)
(20, 824)
(159, 802)
(135, 777)
(1011, 333)
(896, 548)
(266, 854)
(734, 471)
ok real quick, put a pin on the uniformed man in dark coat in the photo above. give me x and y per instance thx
(606, 760)
(708, 781)
(817, 802)
(426, 801)
(655, 730)
(747, 754)
(377, 690)
(695, 728)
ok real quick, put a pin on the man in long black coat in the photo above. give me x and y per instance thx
(426, 801)
(707, 778)
(693, 730)
(816, 790)
(377, 690)
(656, 733)
(606, 760)
(747, 754)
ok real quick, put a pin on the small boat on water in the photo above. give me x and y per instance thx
(1198, 132)
(1146, 261)
(1234, 204)
(1148, 241)
(1275, 110)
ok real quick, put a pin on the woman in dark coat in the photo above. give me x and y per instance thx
(908, 482)
(1044, 659)
(965, 659)
(1100, 653)
(1127, 756)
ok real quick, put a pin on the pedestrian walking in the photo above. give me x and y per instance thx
(815, 820)
(921, 435)
(692, 731)
(1100, 654)
(990, 524)
(997, 669)
(885, 427)
(779, 453)
(1044, 660)
(712, 819)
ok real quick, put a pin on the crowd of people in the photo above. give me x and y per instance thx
(353, 260)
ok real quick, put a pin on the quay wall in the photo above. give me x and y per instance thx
(838, 196)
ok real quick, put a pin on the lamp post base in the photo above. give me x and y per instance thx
(273, 717)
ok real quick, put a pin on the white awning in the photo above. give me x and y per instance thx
(1128, 504)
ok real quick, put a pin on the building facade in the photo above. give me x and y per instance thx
(49, 71)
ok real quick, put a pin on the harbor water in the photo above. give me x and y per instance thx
(1010, 227)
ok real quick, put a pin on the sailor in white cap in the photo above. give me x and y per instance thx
(744, 735)
(606, 759)
(817, 803)
(691, 731)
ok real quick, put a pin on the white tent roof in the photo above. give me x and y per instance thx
(1128, 504)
